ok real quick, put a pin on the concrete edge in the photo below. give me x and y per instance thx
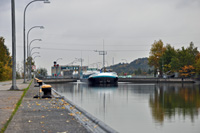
(98, 122)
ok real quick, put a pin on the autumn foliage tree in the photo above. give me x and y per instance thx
(197, 64)
(156, 53)
(186, 61)
(5, 61)
(187, 71)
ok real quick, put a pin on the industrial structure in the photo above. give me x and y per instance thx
(67, 71)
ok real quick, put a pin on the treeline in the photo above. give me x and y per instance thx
(167, 59)
(5, 61)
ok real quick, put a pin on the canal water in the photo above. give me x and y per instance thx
(140, 108)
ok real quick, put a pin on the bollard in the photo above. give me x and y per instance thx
(47, 91)
(39, 85)
(39, 82)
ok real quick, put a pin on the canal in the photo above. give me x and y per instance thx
(144, 108)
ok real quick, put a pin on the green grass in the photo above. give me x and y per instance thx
(15, 110)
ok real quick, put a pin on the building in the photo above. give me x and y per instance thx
(67, 71)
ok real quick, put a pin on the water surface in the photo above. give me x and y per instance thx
(143, 108)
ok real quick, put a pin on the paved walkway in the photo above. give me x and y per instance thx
(8, 99)
(43, 115)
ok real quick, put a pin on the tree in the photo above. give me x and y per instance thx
(175, 64)
(167, 57)
(5, 61)
(156, 52)
(187, 71)
(184, 57)
(41, 72)
(197, 64)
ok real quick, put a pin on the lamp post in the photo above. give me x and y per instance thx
(41, 27)
(34, 61)
(35, 53)
(36, 57)
(24, 32)
(30, 60)
(14, 86)
(29, 70)
(58, 59)
(72, 62)
(30, 45)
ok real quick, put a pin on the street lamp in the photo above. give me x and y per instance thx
(41, 27)
(34, 61)
(72, 62)
(14, 86)
(31, 43)
(30, 55)
(36, 57)
(24, 32)
(35, 53)
(30, 58)
(58, 59)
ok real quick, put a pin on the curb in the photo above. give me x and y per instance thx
(96, 121)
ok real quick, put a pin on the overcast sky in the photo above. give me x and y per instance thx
(75, 28)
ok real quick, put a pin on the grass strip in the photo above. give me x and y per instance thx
(15, 110)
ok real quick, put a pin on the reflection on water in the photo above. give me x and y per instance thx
(169, 100)
(131, 107)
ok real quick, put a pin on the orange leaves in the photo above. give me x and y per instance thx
(72, 108)
(72, 114)
(187, 71)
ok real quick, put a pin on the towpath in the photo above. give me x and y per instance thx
(36, 115)
(8, 99)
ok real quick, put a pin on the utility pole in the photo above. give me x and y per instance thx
(81, 73)
(13, 87)
(103, 57)
(103, 52)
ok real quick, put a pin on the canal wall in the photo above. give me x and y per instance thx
(59, 80)
(87, 120)
(133, 80)
(156, 80)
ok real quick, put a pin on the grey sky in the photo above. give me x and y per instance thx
(128, 27)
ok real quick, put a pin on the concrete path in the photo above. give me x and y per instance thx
(8, 99)
(43, 115)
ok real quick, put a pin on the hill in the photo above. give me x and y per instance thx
(137, 67)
